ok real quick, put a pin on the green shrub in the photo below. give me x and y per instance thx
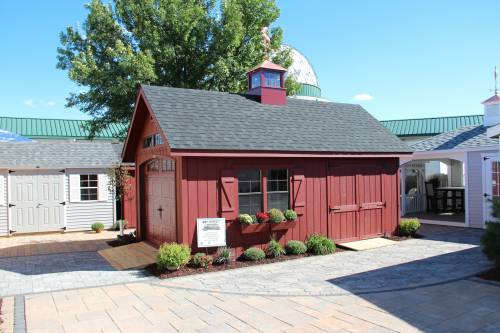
(295, 247)
(490, 242)
(223, 256)
(290, 215)
(201, 260)
(276, 215)
(495, 208)
(408, 227)
(116, 226)
(245, 219)
(172, 256)
(321, 245)
(275, 249)
(97, 227)
(254, 254)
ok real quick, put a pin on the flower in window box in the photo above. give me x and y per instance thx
(262, 217)
(276, 215)
(245, 219)
(290, 215)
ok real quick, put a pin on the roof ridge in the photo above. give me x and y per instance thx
(428, 118)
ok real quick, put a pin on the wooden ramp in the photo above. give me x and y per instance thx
(367, 244)
(132, 256)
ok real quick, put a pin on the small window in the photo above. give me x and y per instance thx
(255, 80)
(152, 165)
(249, 192)
(168, 165)
(157, 140)
(272, 79)
(277, 189)
(148, 142)
(153, 140)
(89, 187)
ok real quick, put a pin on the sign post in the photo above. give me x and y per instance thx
(211, 232)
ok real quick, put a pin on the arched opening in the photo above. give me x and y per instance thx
(433, 190)
(158, 201)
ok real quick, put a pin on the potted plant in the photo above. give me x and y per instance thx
(282, 220)
(249, 224)
(97, 227)
(262, 217)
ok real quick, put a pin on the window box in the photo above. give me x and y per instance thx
(285, 225)
(254, 228)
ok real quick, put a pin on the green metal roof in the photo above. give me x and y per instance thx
(430, 126)
(309, 90)
(37, 128)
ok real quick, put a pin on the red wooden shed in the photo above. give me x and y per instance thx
(205, 154)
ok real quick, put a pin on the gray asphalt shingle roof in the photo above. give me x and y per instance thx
(59, 154)
(462, 138)
(208, 120)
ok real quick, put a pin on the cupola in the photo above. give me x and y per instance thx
(492, 110)
(492, 106)
(267, 80)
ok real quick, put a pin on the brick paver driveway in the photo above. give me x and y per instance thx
(417, 285)
(38, 263)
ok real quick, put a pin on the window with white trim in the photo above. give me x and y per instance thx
(277, 189)
(249, 191)
(89, 187)
(272, 79)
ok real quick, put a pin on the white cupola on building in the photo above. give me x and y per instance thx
(492, 107)
(492, 111)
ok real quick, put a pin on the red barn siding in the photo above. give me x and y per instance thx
(201, 192)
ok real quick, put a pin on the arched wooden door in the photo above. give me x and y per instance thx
(159, 203)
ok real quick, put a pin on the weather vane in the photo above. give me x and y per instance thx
(495, 75)
(266, 41)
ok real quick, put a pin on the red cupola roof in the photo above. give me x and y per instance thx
(268, 65)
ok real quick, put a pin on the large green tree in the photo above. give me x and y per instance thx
(200, 44)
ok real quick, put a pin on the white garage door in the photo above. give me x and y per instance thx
(37, 201)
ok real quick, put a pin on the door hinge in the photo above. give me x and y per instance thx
(63, 203)
(11, 205)
(485, 158)
(12, 171)
(63, 228)
(62, 171)
(12, 231)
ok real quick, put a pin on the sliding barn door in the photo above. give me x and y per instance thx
(343, 207)
(356, 202)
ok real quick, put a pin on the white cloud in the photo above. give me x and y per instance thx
(363, 97)
(40, 103)
(29, 103)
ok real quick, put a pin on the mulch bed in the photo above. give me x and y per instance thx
(238, 263)
(398, 238)
(122, 240)
(492, 274)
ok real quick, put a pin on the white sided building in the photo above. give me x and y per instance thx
(56, 185)
(465, 162)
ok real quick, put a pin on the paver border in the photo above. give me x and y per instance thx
(19, 314)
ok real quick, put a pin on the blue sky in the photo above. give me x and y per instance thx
(415, 59)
